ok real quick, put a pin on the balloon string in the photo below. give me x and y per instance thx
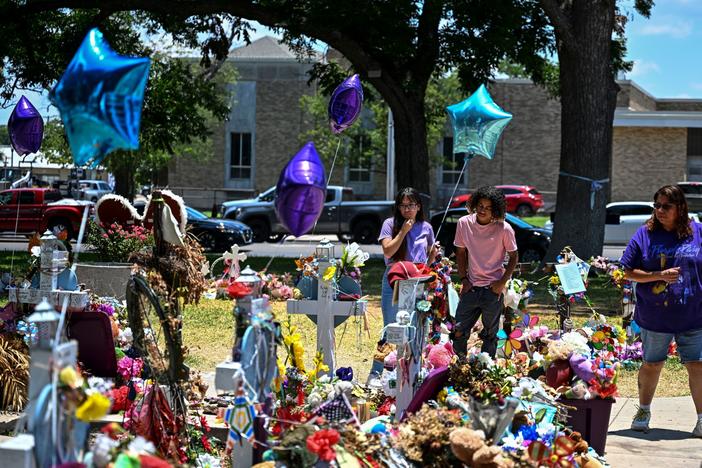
(280, 242)
(12, 260)
(331, 170)
(465, 164)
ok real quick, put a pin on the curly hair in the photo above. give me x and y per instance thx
(496, 197)
(676, 196)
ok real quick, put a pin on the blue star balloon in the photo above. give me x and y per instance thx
(477, 124)
(100, 96)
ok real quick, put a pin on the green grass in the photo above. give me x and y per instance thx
(536, 220)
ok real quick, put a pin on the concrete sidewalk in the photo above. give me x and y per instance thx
(669, 442)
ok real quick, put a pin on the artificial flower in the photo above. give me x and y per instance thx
(322, 444)
(69, 377)
(93, 408)
(329, 273)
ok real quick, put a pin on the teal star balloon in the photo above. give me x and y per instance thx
(100, 97)
(477, 124)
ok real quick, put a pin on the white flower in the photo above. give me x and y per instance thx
(125, 338)
(99, 384)
(36, 251)
(486, 360)
(314, 400)
(576, 342)
(102, 447)
(537, 357)
(324, 379)
(141, 445)
(205, 460)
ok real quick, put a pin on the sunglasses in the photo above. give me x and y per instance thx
(662, 206)
(411, 206)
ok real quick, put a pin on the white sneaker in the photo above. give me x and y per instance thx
(641, 420)
(697, 431)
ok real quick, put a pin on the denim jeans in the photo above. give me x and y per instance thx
(389, 312)
(479, 301)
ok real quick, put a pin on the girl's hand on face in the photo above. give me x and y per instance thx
(407, 225)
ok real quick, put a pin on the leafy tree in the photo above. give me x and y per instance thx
(183, 99)
(4, 135)
(396, 45)
(591, 47)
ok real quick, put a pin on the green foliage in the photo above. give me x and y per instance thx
(115, 243)
(366, 139)
(4, 135)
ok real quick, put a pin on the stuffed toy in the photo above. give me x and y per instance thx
(390, 361)
(558, 349)
(440, 355)
(558, 373)
(582, 366)
(383, 349)
(578, 391)
(470, 448)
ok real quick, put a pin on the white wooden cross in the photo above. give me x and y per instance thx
(52, 261)
(410, 340)
(325, 308)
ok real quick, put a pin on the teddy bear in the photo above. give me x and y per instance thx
(470, 448)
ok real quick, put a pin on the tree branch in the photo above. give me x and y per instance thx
(561, 24)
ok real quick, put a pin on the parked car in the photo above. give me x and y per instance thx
(693, 195)
(342, 216)
(91, 190)
(217, 235)
(522, 200)
(30, 210)
(532, 241)
(623, 219)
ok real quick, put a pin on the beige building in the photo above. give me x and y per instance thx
(656, 141)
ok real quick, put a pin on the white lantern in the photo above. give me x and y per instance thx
(325, 250)
(46, 319)
(250, 279)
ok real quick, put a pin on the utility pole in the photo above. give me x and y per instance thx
(390, 164)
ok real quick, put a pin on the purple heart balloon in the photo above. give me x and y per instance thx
(345, 104)
(301, 190)
(25, 127)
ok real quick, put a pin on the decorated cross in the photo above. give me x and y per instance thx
(54, 279)
(409, 335)
(326, 309)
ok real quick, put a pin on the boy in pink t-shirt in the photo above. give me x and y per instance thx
(483, 239)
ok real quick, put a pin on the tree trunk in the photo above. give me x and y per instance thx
(411, 153)
(123, 170)
(588, 100)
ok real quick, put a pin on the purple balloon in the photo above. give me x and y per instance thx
(25, 127)
(301, 190)
(345, 104)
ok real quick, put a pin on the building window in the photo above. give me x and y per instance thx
(453, 163)
(359, 166)
(240, 157)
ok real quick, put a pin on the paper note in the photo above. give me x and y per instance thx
(569, 274)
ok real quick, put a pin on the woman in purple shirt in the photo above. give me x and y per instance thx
(405, 236)
(664, 258)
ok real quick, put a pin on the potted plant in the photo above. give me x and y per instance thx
(113, 244)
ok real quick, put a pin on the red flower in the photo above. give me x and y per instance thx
(150, 461)
(119, 399)
(322, 443)
(203, 423)
(205, 443)
(384, 409)
(238, 290)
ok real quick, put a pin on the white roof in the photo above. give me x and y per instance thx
(670, 119)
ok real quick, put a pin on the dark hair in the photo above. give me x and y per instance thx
(496, 197)
(676, 196)
(398, 219)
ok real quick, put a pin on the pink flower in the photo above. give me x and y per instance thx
(128, 367)
(104, 236)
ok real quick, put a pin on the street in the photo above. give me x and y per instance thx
(291, 248)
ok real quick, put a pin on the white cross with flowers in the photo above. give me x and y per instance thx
(234, 256)
(325, 308)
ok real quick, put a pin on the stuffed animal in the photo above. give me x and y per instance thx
(578, 391)
(469, 447)
(440, 355)
(390, 361)
(558, 373)
(558, 349)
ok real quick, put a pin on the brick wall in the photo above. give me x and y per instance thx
(644, 159)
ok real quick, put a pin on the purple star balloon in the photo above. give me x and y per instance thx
(345, 104)
(301, 190)
(26, 127)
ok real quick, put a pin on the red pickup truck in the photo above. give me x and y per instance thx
(30, 210)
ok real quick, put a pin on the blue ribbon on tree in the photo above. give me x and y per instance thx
(595, 185)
